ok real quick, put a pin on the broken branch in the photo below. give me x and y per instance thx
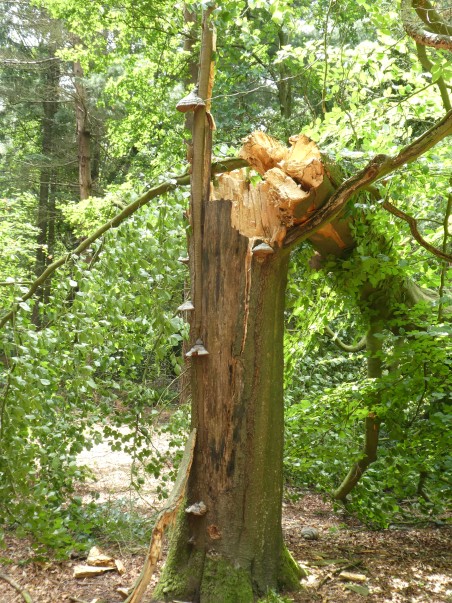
(379, 166)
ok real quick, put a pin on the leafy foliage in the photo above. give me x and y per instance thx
(106, 351)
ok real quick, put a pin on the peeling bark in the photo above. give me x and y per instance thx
(414, 27)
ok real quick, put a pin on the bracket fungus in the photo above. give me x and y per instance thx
(190, 102)
(187, 306)
(197, 350)
(198, 508)
(262, 251)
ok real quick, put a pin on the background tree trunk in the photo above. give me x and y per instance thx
(83, 133)
(45, 220)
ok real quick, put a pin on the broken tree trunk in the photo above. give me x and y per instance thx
(234, 549)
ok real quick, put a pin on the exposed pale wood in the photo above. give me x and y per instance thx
(88, 571)
(164, 519)
(263, 152)
(253, 213)
(304, 162)
(95, 557)
(352, 577)
(295, 185)
(120, 567)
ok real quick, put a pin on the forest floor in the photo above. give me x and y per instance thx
(390, 566)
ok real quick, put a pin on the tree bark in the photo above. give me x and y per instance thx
(236, 549)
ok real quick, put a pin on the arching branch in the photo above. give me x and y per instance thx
(415, 29)
(218, 167)
(431, 18)
(343, 346)
(415, 232)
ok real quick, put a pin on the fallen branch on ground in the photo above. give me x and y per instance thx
(22, 592)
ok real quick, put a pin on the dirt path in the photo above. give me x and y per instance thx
(391, 566)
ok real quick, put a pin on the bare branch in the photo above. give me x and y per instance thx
(20, 63)
(22, 592)
(415, 232)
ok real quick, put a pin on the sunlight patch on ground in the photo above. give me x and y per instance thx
(112, 477)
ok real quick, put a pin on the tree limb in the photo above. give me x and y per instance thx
(415, 29)
(24, 593)
(222, 165)
(442, 285)
(20, 63)
(379, 166)
(415, 232)
(343, 346)
(374, 346)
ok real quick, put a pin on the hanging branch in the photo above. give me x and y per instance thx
(220, 166)
(427, 65)
(379, 166)
(374, 346)
(415, 232)
(442, 285)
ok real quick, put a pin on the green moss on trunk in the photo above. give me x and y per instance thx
(290, 573)
(183, 569)
(224, 583)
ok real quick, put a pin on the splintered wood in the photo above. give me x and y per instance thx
(165, 518)
(287, 193)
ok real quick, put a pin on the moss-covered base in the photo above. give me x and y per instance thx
(212, 579)
(290, 573)
(224, 583)
(190, 574)
(183, 570)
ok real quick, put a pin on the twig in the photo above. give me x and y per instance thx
(24, 593)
